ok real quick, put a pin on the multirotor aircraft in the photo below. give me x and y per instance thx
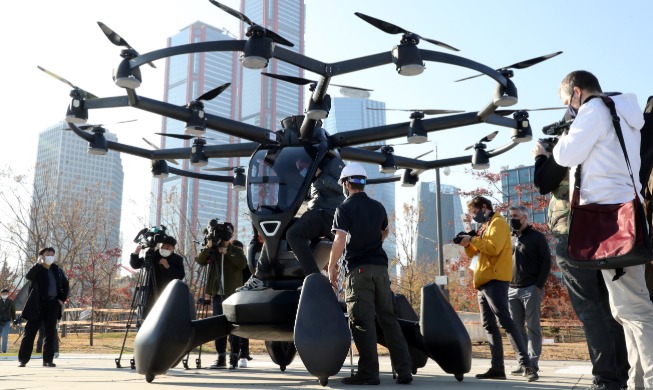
(309, 320)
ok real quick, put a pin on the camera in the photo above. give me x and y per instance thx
(150, 237)
(557, 128)
(218, 231)
(459, 238)
(549, 143)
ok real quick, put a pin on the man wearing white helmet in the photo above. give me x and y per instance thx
(361, 224)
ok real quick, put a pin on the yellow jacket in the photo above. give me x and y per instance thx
(495, 257)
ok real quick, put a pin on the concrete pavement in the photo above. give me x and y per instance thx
(81, 371)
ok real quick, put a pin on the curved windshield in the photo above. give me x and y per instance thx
(275, 177)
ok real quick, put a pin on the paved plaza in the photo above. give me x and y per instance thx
(99, 372)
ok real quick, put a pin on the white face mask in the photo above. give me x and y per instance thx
(49, 260)
(165, 252)
(4, 296)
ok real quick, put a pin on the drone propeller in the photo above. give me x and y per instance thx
(117, 39)
(425, 112)
(173, 161)
(520, 65)
(87, 127)
(303, 81)
(85, 94)
(393, 29)
(182, 136)
(215, 92)
(508, 112)
(380, 147)
(487, 138)
(253, 26)
(226, 169)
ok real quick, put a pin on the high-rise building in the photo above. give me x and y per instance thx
(187, 78)
(66, 176)
(266, 101)
(451, 211)
(351, 113)
(517, 188)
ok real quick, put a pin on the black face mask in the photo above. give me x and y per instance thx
(515, 223)
(479, 217)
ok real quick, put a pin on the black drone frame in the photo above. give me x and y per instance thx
(344, 141)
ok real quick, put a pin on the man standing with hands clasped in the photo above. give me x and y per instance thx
(531, 265)
(361, 224)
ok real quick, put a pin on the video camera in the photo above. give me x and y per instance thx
(150, 237)
(218, 231)
(459, 238)
(554, 130)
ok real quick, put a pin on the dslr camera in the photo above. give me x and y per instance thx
(149, 238)
(217, 232)
(459, 238)
(554, 130)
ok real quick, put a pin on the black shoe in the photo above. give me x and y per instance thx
(405, 379)
(492, 373)
(220, 363)
(49, 364)
(519, 371)
(357, 380)
(21, 364)
(530, 374)
(233, 361)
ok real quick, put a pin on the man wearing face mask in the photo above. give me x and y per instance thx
(166, 266)
(7, 316)
(47, 293)
(592, 143)
(491, 278)
(531, 267)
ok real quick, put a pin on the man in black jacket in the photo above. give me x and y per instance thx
(7, 316)
(587, 292)
(47, 293)
(531, 265)
(161, 267)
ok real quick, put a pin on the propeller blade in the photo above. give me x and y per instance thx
(173, 161)
(422, 155)
(350, 87)
(86, 127)
(113, 36)
(232, 12)
(520, 65)
(469, 147)
(490, 136)
(290, 79)
(87, 95)
(269, 33)
(381, 24)
(426, 112)
(220, 169)
(508, 112)
(394, 29)
(532, 61)
(370, 147)
(178, 136)
(214, 92)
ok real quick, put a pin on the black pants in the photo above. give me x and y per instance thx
(221, 343)
(39, 340)
(48, 316)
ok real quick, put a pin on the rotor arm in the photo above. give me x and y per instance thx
(203, 176)
(378, 158)
(214, 122)
(230, 150)
(198, 47)
(445, 58)
(300, 60)
(108, 102)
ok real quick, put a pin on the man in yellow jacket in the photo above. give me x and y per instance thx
(492, 276)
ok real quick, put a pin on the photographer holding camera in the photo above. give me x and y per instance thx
(164, 264)
(226, 263)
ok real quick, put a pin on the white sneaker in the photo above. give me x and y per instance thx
(242, 363)
(252, 284)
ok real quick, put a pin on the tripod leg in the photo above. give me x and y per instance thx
(140, 294)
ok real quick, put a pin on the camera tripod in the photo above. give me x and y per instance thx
(201, 304)
(145, 287)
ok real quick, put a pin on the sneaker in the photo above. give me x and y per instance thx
(492, 373)
(220, 363)
(357, 380)
(242, 363)
(252, 284)
(530, 374)
(50, 364)
(405, 379)
(519, 371)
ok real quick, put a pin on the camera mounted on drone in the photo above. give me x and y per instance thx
(217, 232)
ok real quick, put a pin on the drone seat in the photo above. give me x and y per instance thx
(288, 267)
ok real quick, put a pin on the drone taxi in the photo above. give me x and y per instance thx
(310, 320)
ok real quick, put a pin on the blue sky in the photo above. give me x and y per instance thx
(610, 39)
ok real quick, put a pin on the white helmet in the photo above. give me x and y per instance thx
(352, 169)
